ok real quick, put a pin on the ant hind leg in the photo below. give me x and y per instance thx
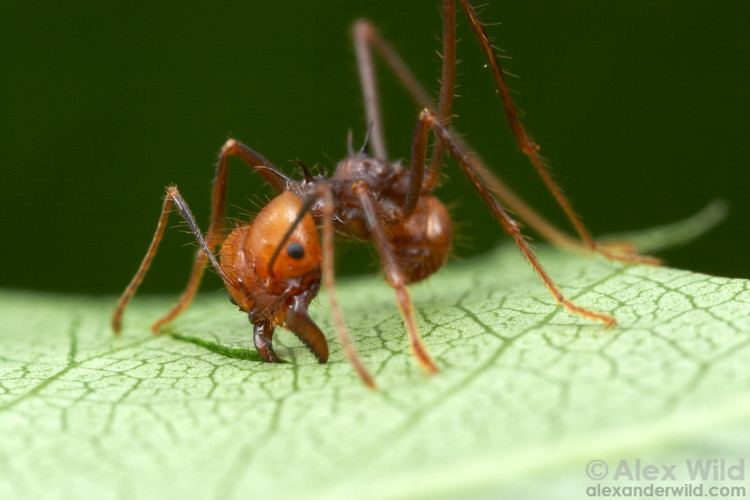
(509, 225)
(368, 40)
(531, 149)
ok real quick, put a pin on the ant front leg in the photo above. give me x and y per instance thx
(270, 174)
(173, 198)
(506, 221)
(394, 275)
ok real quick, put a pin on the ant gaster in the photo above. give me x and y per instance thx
(273, 266)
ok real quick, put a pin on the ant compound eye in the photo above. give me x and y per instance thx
(295, 251)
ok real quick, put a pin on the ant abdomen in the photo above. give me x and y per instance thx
(423, 242)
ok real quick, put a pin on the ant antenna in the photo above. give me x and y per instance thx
(305, 169)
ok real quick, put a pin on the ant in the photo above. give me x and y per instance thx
(273, 266)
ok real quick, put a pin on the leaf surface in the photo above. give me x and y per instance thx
(525, 389)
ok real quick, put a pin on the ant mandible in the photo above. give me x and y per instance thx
(273, 266)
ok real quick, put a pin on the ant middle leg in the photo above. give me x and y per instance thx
(259, 164)
(172, 199)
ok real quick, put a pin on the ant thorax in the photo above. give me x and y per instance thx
(420, 241)
(374, 172)
(388, 182)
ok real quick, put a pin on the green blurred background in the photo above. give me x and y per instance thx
(642, 107)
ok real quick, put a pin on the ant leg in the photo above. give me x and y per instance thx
(447, 87)
(270, 174)
(254, 160)
(394, 276)
(524, 141)
(364, 35)
(531, 149)
(368, 83)
(369, 35)
(510, 226)
(330, 283)
(173, 198)
(416, 167)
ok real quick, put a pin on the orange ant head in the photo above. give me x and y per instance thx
(279, 271)
(248, 250)
(300, 254)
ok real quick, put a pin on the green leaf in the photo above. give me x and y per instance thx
(527, 393)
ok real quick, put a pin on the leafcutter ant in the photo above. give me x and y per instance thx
(273, 266)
